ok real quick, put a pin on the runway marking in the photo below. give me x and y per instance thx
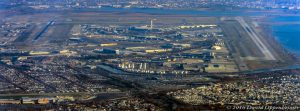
(263, 48)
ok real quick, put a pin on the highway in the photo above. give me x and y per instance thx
(256, 39)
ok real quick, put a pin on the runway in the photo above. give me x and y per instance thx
(256, 39)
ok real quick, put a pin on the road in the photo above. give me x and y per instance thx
(256, 39)
(160, 99)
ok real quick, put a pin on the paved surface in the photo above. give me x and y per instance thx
(262, 47)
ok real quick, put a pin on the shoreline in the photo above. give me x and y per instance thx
(285, 54)
(267, 26)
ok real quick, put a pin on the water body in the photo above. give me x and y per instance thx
(179, 11)
(288, 34)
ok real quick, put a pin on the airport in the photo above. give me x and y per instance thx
(99, 55)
